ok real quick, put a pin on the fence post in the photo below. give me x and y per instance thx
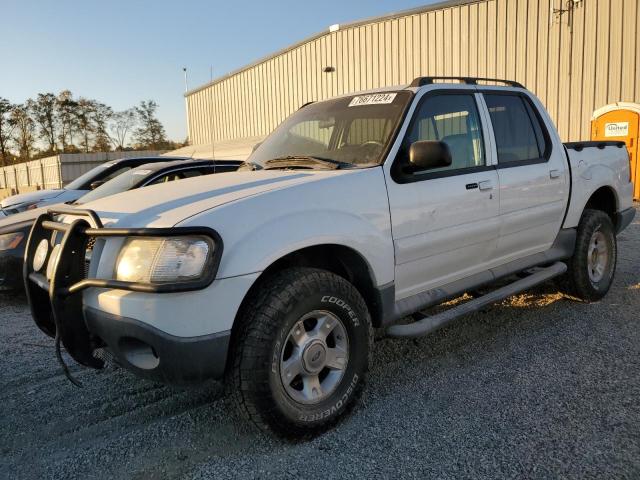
(59, 165)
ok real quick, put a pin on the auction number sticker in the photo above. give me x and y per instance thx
(373, 99)
(619, 129)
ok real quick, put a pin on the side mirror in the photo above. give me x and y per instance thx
(96, 184)
(424, 155)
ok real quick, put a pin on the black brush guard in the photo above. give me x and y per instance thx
(56, 302)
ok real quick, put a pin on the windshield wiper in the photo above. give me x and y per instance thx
(301, 160)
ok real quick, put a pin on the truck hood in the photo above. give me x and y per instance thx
(169, 204)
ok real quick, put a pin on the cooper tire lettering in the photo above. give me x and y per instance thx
(344, 305)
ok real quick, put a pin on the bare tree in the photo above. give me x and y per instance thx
(6, 130)
(150, 133)
(121, 126)
(53, 122)
(43, 109)
(24, 130)
(66, 112)
(100, 116)
(84, 120)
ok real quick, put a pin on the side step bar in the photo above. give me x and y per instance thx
(430, 324)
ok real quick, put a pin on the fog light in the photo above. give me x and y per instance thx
(138, 353)
(41, 255)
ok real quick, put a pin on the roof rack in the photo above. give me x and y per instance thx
(421, 81)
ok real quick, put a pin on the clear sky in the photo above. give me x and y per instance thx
(121, 52)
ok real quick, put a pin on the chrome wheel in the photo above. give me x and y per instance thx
(597, 256)
(314, 357)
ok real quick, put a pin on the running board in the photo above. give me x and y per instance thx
(430, 324)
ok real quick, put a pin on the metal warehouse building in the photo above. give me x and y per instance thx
(576, 55)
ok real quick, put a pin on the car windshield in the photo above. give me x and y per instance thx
(352, 131)
(83, 181)
(121, 183)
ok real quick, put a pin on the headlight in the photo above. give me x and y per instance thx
(164, 260)
(10, 241)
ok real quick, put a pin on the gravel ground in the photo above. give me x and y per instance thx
(538, 386)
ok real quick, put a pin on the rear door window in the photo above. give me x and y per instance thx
(517, 129)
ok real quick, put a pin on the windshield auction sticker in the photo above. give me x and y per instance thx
(373, 99)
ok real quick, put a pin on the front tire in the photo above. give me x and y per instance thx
(301, 352)
(591, 268)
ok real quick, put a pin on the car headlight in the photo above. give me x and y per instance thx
(164, 260)
(10, 241)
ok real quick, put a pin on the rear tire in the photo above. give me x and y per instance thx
(592, 267)
(301, 352)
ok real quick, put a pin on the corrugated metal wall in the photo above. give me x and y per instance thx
(575, 62)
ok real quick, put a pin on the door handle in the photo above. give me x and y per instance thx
(485, 185)
(554, 173)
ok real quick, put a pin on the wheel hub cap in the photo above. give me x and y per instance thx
(314, 357)
(598, 256)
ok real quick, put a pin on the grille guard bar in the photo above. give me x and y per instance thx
(56, 303)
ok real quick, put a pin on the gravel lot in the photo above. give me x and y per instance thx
(538, 386)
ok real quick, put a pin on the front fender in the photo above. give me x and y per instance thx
(348, 210)
(263, 246)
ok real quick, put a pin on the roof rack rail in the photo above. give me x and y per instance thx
(421, 81)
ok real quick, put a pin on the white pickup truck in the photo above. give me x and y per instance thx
(355, 213)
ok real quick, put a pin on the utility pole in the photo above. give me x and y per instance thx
(186, 103)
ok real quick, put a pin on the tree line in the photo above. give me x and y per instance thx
(50, 124)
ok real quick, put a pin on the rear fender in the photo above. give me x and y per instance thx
(593, 169)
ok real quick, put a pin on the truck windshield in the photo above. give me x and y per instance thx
(352, 131)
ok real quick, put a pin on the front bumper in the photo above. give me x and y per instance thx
(156, 355)
(58, 309)
(11, 269)
(11, 260)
